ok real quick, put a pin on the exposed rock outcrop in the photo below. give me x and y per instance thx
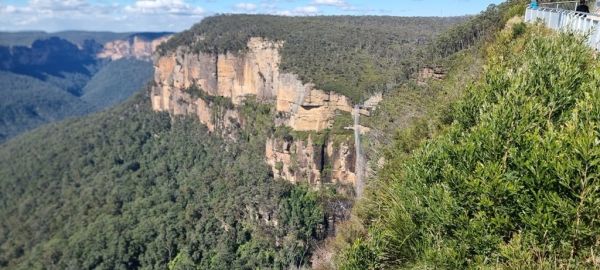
(305, 160)
(135, 47)
(237, 76)
(427, 73)
(255, 72)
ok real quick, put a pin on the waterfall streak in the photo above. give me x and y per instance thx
(299, 100)
(359, 165)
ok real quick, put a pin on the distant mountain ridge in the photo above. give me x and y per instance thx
(47, 57)
(95, 70)
(26, 38)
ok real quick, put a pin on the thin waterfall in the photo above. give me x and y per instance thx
(299, 100)
(359, 165)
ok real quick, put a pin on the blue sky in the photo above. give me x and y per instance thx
(177, 15)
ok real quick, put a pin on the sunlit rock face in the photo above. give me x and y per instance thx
(305, 160)
(237, 76)
(135, 47)
(255, 72)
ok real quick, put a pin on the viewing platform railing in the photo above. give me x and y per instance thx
(566, 5)
(567, 20)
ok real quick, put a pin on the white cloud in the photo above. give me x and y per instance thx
(8, 9)
(335, 3)
(58, 15)
(308, 10)
(57, 5)
(300, 11)
(245, 7)
(176, 7)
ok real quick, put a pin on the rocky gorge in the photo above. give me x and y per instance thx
(187, 82)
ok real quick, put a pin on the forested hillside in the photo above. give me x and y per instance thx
(508, 178)
(27, 102)
(493, 164)
(27, 38)
(353, 55)
(49, 77)
(130, 189)
(116, 82)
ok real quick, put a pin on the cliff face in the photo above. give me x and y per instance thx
(256, 73)
(135, 47)
(300, 160)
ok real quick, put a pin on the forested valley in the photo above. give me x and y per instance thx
(48, 77)
(491, 165)
(129, 188)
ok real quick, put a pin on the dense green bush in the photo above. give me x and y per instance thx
(129, 188)
(512, 183)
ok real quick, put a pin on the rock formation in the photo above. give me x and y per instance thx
(428, 73)
(300, 160)
(255, 72)
(135, 47)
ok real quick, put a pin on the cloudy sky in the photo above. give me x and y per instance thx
(177, 15)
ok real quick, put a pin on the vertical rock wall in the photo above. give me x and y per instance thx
(136, 47)
(255, 72)
(299, 160)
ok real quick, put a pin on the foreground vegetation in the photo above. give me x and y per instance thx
(511, 181)
(132, 189)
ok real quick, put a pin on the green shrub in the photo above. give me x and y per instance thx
(518, 29)
(513, 182)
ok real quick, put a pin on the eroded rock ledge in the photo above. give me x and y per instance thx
(256, 73)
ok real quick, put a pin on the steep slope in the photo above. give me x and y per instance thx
(69, 61)
(354, 56)
(116, 82)
(47, 57)
(510, 183)
(131, 189)
(140, 46)
(313, 80)
(26, 103)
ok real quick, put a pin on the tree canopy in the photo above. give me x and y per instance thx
(129, 188)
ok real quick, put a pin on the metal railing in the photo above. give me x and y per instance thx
(568, 20)
(566, 5)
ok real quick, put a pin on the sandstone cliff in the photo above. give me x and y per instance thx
(255, 72)
(237, 76)
(134, 47)
(299, 160)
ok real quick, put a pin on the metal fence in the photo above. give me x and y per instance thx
(566, 5)
(568, 20)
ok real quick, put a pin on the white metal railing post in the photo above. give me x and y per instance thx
(596, 36)
(568, 20)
